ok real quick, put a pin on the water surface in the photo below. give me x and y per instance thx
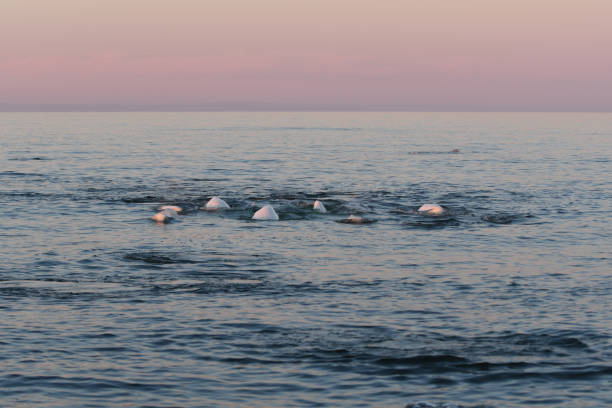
(502, 302)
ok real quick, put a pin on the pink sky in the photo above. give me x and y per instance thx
(298, 54)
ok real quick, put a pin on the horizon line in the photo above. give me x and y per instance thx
(238, 106)
(175, 109)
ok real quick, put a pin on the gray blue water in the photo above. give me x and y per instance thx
(504, 301)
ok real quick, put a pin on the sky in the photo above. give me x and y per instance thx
(434, 55)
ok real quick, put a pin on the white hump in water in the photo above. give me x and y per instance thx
(355, 219)
(431, 209)
(171, 207)
(266, 213)
(216, 203)
(164, 215)
(318, 206)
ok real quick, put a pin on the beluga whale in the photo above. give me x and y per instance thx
(431, 209)
(216, 203)
(163, 216)
(318, 206)
(266, 213)
(174, 208)
(355, 219)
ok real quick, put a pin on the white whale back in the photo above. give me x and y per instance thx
(266, 213)
(216, 203)
(164, 215)
(431, 209)
(175, 208)
(318, 206)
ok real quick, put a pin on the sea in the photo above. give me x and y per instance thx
(504, 300)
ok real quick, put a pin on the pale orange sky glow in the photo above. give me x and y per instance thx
(314, 55)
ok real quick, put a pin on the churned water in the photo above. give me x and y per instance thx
(504, 301)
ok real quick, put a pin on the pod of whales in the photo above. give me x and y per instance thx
(266, 213)
(168, 212)
(216, 203)
(431, 209)
(318, 206)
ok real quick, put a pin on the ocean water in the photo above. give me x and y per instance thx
(503, 301)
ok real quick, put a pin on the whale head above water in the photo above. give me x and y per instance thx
(431, 209)
(164, 215)
(174, 208)
(266, 213)
(318, 206)
(216, 203)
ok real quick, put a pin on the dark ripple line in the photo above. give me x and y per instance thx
(581, 374)
(91, 383)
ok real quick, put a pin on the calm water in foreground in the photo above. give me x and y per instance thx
(503, 302)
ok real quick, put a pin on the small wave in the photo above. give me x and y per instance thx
(426, 359)
(35, 158)
(585, 373)
(144, 199)
(93, 384)
(453, 151)
(544, 340)
(20, 174)
(424, 404)
(212, 284)
(505, 218)
(273, 128)
(433, 223)
(59, 290)
(157, 258)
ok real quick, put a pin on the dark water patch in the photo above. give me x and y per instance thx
(144, 199)
(275, 128)
(537, 342)
(425, 404)
(418, 312)
(292, 196)
(246, 361)
(453, 151)
(104, 335)
(430, 223)
(281, 195)
(42, 293)
(506, 218)
(355, 345)
(109, 349)
(306, 289)
(209, 179)
(92, 384)
(35, 158)
(442, 381)
(157, 258)
(216, 284)
(66, 291)
(468, 195)
(584, 373)
(421, 360)
(8, 174)
(50, 263)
